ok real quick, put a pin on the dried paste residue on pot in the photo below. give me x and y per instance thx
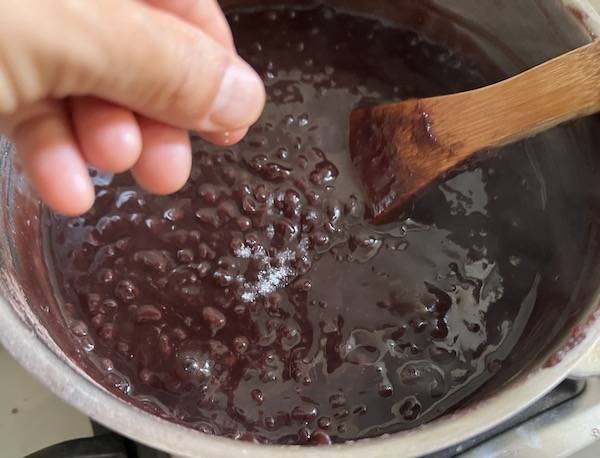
(257, 303)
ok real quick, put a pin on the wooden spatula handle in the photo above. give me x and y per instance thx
(565, 88)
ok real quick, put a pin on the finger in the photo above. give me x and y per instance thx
(225, 138)
(160, 66)
(204, 14)
(51, 158)
(166, 160)
(109, 136)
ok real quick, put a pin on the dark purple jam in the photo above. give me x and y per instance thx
(258, 303)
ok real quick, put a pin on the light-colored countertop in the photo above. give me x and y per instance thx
(32, 418)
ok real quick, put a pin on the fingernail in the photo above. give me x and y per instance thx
(238, 103)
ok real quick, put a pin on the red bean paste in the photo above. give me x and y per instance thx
(258, 303)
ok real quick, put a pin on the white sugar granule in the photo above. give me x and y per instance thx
(269, 277)
(243, 252)
(304, 245)
(260, 253)
(270, 230)
(286, 256)
(248, 296)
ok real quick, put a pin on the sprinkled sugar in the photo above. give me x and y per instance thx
(243, 252)
(270, 277)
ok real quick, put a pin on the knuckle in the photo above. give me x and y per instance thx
(21, 83)
(8, 97)
(194, 77)
(195, 92)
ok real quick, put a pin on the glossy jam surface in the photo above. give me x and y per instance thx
(258, 303)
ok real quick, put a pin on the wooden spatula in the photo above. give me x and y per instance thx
(400, 148)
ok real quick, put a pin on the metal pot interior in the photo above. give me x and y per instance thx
(559, 229)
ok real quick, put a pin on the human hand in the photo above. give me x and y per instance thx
(116, 84)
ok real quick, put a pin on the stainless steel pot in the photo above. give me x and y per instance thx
(514, 35)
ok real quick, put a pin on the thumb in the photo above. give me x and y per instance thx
(128, 53)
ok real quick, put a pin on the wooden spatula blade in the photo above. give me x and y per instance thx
(398, 149)
(396, 153)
